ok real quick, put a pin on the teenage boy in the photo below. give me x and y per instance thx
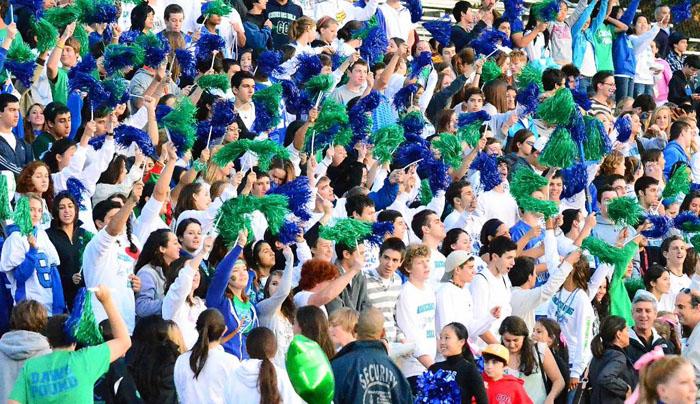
(14, 152)
(176, 21)
(415, 314)
(57, 125)
(358, 81)
(460, 195)
(351, 258)
(603, 84)
(427, 226)
(66, 52)
(384, 284)
(491, 287)
(680, 90)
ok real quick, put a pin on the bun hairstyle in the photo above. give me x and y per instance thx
(211, 326)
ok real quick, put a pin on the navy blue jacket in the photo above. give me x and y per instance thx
(14, 160)
(363, 370)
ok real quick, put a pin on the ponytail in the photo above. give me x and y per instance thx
(261, 344)
(597, 346)
(607, 333)
(299, 26)
(211, 326)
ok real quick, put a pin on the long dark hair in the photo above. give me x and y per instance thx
(57, 201)
(211, 326)
(150, 254)
(558, 347)
(516, 326)
(314, 326)
(173, 272)
(113, 171)
(580, 274)
(251, 253)
(602, 307)
(608, 331)
(288, 308)
(462, 333)
(186, 199)
(261, 344)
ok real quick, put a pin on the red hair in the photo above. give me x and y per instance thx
(315, 271)
(25, 185)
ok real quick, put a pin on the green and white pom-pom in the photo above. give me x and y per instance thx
(22, 216)
(557, 109)
(560, 150)
(347, 232)
(546, 208)
(5, 210)
(81, 324)
(625, 211)
(679, 183)
(386, 140)
(425, 193)
(525, 181)
(234, 215)
(607, 253)
(528, 75)
(266, 150)
(450, 149)
(46, 35)
(490, 71)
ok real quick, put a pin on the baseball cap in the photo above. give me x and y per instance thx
(498, 351)
(676, 37)
(455, 259)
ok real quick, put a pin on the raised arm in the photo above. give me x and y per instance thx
(217, 286)
(118, 222)
(55, 57)
(120, 342)
(334, 288)
(274, 302)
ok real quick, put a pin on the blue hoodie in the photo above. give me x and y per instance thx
(623, 50)
(673, 153)
(216, 299)
(578, 35)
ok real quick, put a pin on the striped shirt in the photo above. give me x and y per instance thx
(383, 294)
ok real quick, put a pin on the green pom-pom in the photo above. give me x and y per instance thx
(607, 253)
(679, 183)
(450, 149)
(319, 83)
(593, 147)
(217, 7)
(266, 150)
(214, 81)
(546, 10)
(182, 120)
(234, 215)
(528, 75)
(19, 51)
(695, 241)
(46, 35)
(81, 35)
(386, 140)
(22, 217)
(426, 194)
(371, 24)
(525, 181)
(470, 133)
(625, 211)
(557, 109)
(490, 71)
(5, 211)
(560, 150)
(332, 117)
(60, 17)
(346, 232)
(546, 208)
(632, 285)
(86, 331)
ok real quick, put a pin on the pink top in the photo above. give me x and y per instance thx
(661, 82)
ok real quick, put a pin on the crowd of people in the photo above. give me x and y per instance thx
(502, 210)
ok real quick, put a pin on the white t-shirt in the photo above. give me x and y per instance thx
(500, 205)
(398, 21)
(415, 316)
(301, 299)
(10, 139)
(210, 385)
(437, 267)
(677, 284)
(489, 291)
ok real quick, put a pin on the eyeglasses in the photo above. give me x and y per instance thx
(694, 298)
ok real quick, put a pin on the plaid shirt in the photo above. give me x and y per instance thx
(675, 61)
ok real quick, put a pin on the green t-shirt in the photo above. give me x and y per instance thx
(42, 144)
(602, 47)
(59, 88)
(61, 376)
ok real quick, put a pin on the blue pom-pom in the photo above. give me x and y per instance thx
(439, 387)
(107, 34)
(487, 40)
(415, 7)
(100, 12)
(441, 30)
(413, 124)
(581, 99)
(97, 141)
(681, 11)
(36, 6)
(379, 231)
(416, 139)
(161, 111)
(360, 121)
(217, 132)
(155, 50)
(529, 98)
(128, 37)
(402, 98)
(374, 45)
(488, 168)
(513, 10)
(437, 173)
(73, 319)
(207, 44)
(117, 57)
(125, 135)
(288, 232)
(308, 66)
(623, 127)
(577, 127)
(76, 189)
(661, 226)
(188, 66)
(409, 152)
(686, 218)
(270, 62)
(575, 179)
(298, 194)
(23, 71)
(468, 118)
(222, 113)
(419, 62)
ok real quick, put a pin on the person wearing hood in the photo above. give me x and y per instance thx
(22, 342)
(258, 380)
(643, 336)
(499, 386)
(360, 358)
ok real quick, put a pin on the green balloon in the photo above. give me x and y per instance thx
(309, 371)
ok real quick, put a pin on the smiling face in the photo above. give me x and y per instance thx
(66, 211)
(676, 253)
(171, 251)
(463, 243)
(540, 334)
(450, 344)
(644, 315)
(191, 239)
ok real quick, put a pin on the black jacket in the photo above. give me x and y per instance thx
(70, 251)
(346, 175)
(677, 89)
(470, 382)
(638, 347)
(364, 373)
(611, 376)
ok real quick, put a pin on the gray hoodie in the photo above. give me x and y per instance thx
(15, 348)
